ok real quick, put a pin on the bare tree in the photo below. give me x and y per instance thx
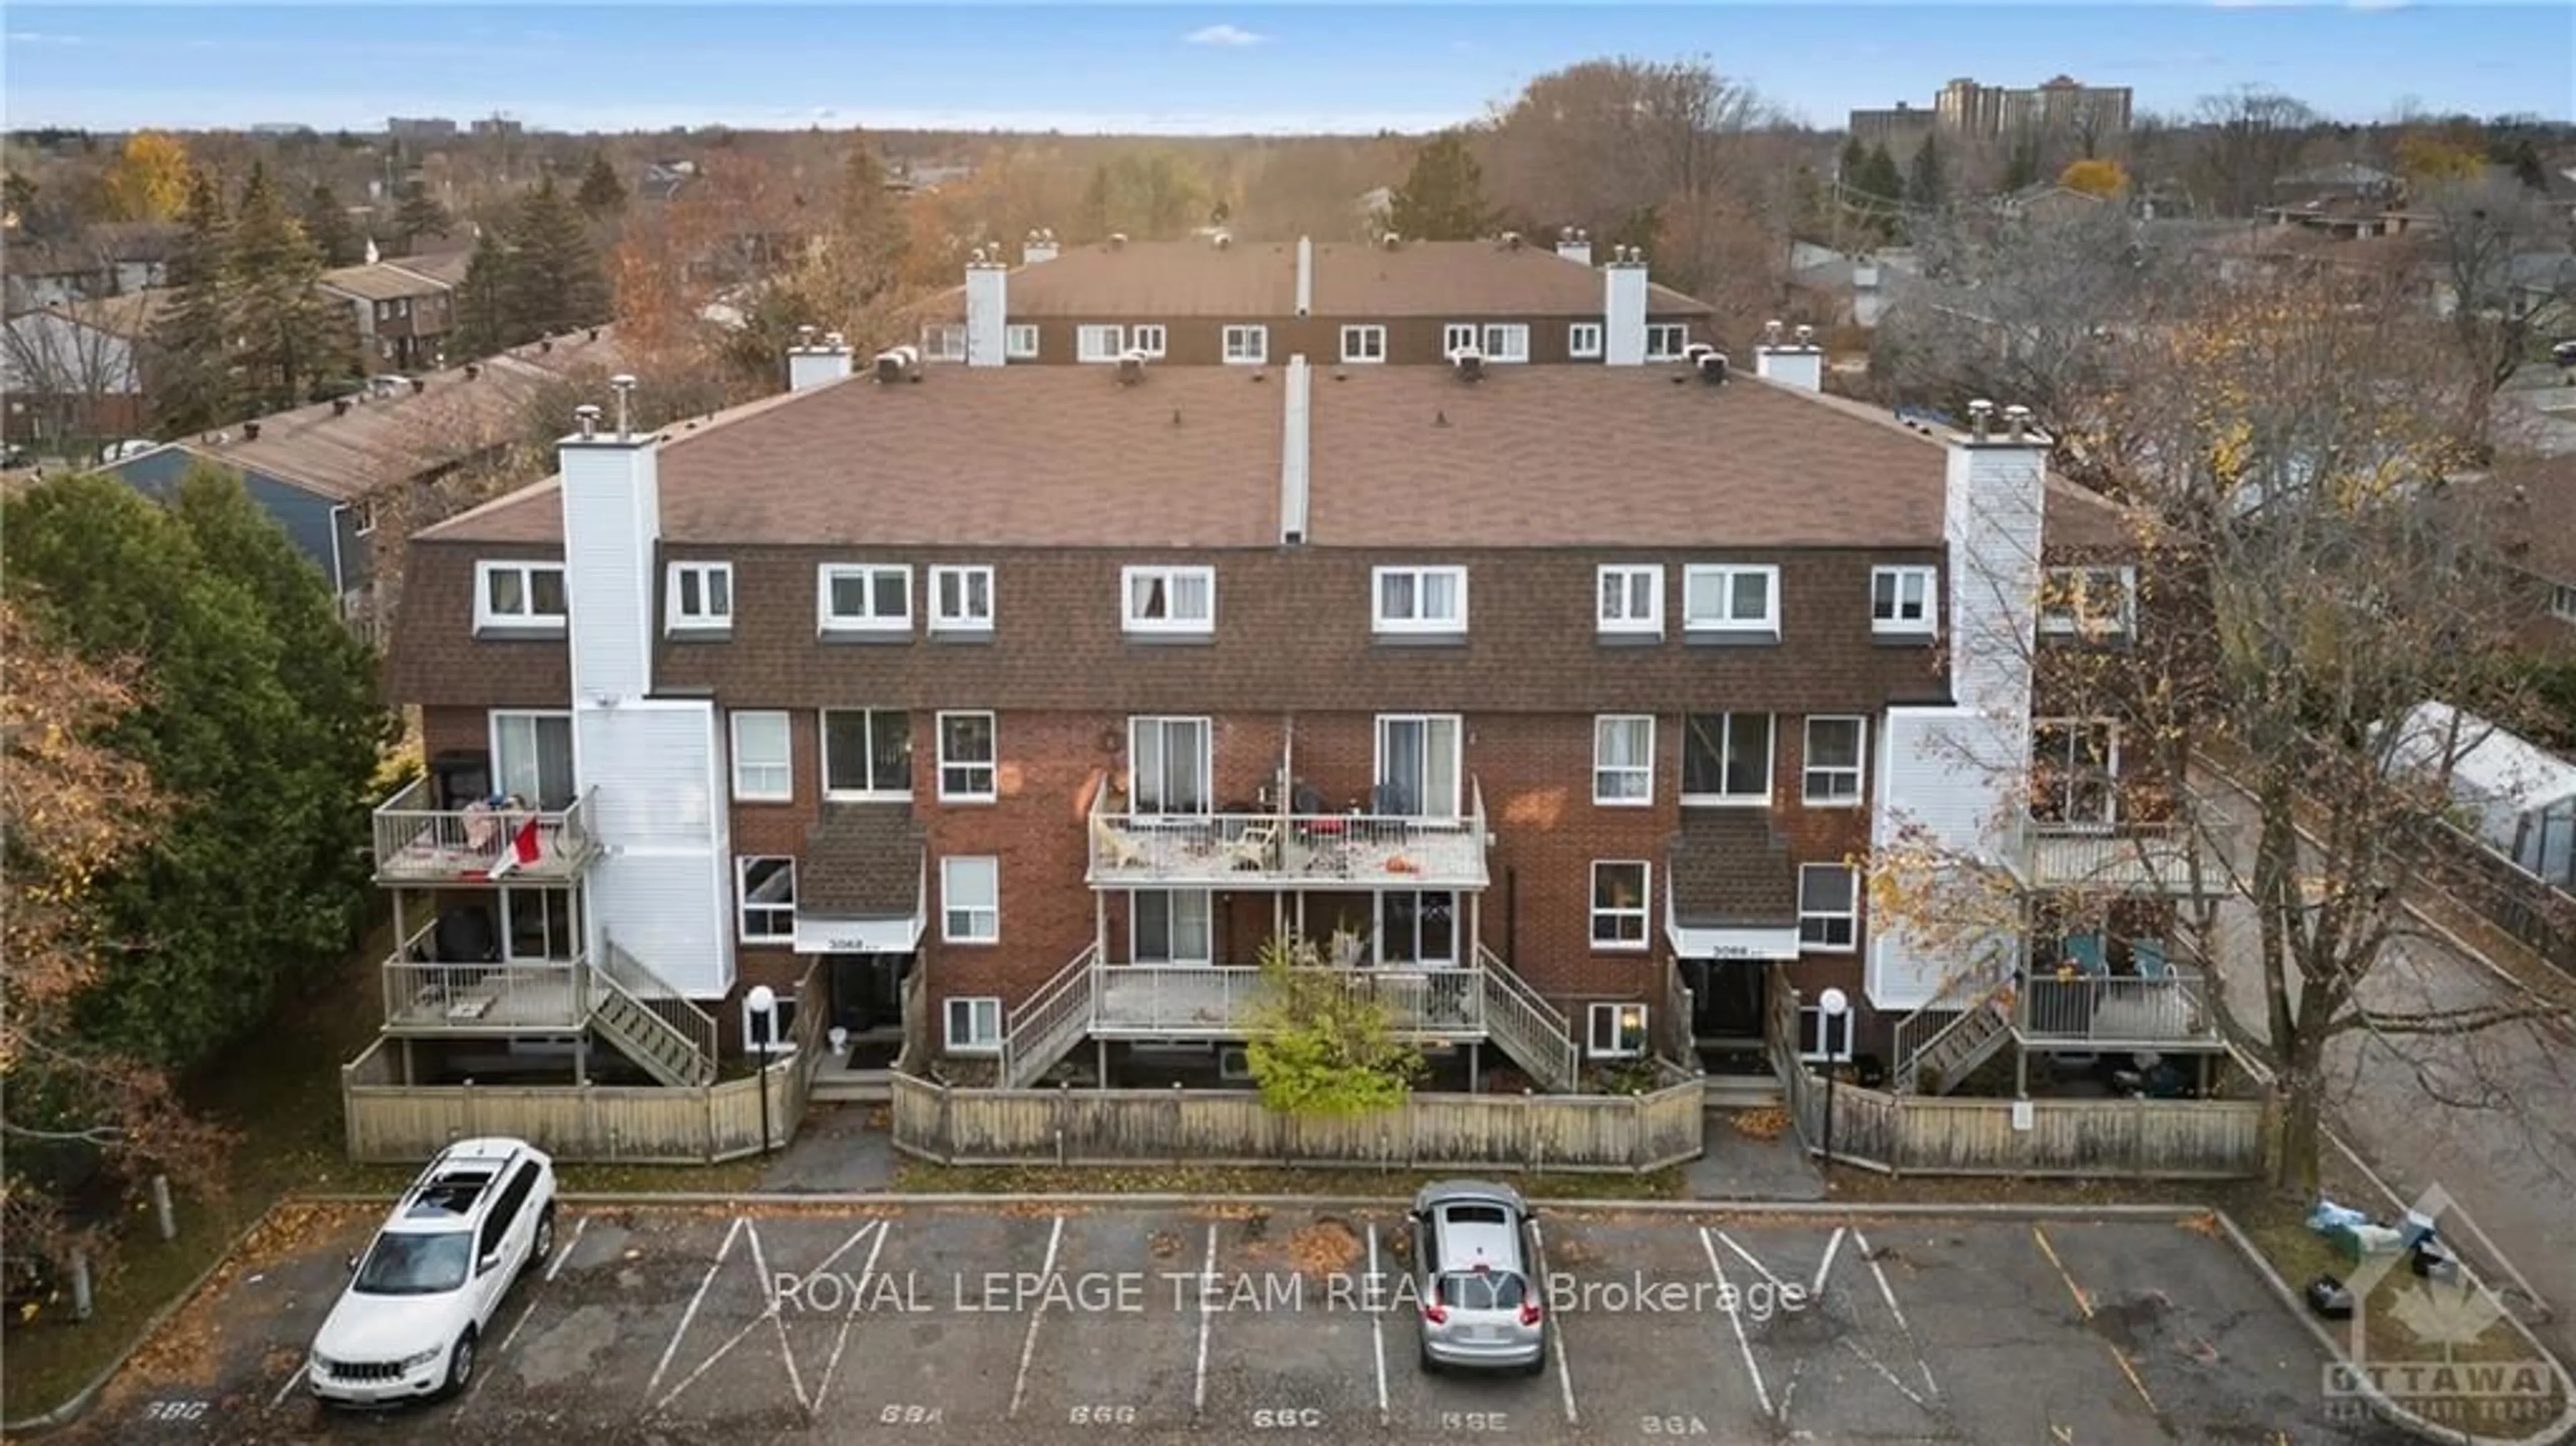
(67, 364)
(2498, 263)
(2248, 139)
(2304, 581)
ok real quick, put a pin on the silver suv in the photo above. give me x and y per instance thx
(1482, 1302)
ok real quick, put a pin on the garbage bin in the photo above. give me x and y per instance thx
(2328, 1298)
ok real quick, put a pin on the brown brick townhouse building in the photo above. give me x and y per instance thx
(1034, 700)
(1218, 300)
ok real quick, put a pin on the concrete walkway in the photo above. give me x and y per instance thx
(839, 1149)
(1739, 1167)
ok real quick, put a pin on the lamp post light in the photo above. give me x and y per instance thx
(1835, 1005)
(763, 1003)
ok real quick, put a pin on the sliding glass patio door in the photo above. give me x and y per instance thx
(1417, 766)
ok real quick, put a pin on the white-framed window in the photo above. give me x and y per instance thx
(1631, 599)
(766, 1031)
(1247, 345)
(966, 758)
(518, 595)
(761, 758)
(699, 597)
(1418, 599)
(1418, 765)
(974, 1024)
(2075, 771)
(1832, 774)
(1665, 340)
(1099, 342)
(1168, 926)
(1364, 343)
(365, 521)
(1417, 927)
(1495, 341)
(2089, 602)
(1147, 338)
(1583, 340)
(1623, 759)
(766, 892)
(1828, 908)
(538, 925)
(1726, 758)
(1904, 600)
(1020, 341)
(864, 597)
(961, 599)
(867, 754)
(970, 900)
(1167, 599)
(1615, 1031)
(1619, 905)
(1169, 765)
(1823, 1038)
(532, 757)
(944, 342)
(1731, 598)
(2562, 601)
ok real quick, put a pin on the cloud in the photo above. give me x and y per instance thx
(38, 37)
(1232, 37)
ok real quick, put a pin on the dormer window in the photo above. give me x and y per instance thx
(1903, 601)
(1631, 602)
(519, 595)
(699, 597)
(2093, 603)
(1168, 600)
(1363, 343)
(1419, 600)
(1493, 341)
(864, 598)
(1247, 345)
(1732, 601)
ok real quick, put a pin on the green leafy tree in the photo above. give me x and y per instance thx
(418, 215)
(555, 280)
(1443, 196)
(1321, 1041)
(293, 338)
(194, 383)
(327, 222)
(601, 195)
(1927, 184)
(251, 723)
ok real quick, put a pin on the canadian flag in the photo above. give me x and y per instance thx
(523, 848)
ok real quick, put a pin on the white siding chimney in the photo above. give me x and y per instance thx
(1040, 247)
(612, 525)
(1305, 276)
(1623, 308)
(1297, 409)
(812, 362)
(1575, 246)
(1800, 364)
(1991, 518)
(987, 280)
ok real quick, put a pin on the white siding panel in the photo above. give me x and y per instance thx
(612, 522)
(1992, 508)
(1936, 774)
(655, 905)
(654, 770)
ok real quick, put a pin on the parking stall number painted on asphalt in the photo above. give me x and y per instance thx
(1288, 1418)
(1668, 1426)
(893, 1414)
(1475, 1422)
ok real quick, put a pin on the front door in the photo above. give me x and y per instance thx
(867, 991)
(1726, 997)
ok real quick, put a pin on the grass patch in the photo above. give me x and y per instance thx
(916, 1177)
(282, 1093)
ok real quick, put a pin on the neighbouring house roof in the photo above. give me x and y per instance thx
(2537, 512)
(2487, 761)
(444, 268)
(381, 440)
(381, 281)
(1468, 280)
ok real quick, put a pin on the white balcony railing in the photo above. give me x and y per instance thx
(2118, 1011)
(1182, 1000)
(456, 998)
(2126, 857)
(418, 844)
(1289, 850)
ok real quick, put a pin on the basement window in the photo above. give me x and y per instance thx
(974, 1025)
(1617, 1031)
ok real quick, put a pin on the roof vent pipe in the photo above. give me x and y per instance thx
(1392, 240)
(624, 386)
(586, 417)
(1806, 336)
(1470, 363)
(1981, 415)
(339, 406)
(1131, 367)
(2017, 422)
(1712, 367)
(250, 431)
(1771, 333)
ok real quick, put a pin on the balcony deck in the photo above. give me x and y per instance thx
(485, 998)
(2152, 858)
(1288, 851)
(1191, 1001)
(2118, 1012)
(420, 845)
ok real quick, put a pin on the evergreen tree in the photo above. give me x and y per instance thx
(293, 338)
(1443, 196)
(482, 303)
(1925, 185)
(327, 222)
(419, 215)
(252, 721)
(1855, 163)
(554, 279)
(601, 195)
(2021, 169)
(1879, 176)
(194, 384)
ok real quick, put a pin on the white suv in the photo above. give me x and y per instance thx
(475, 1221)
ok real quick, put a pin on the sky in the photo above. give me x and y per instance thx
(1185, 68)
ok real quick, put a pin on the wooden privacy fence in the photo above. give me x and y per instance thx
(2106, 1138)
(390, 1122)
(1590, 1133)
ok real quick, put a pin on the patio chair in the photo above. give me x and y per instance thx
(1114, 846)
(2147, 956)
(1250, 849)
(2084, 951)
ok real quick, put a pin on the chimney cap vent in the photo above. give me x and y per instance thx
(586, 417)
(1806, 336)
(1712, 367)
(1469, 362)
(1771, 332)
(1391, 240)
(1221, 240)
(1117, 240)
(805, 335)
(250, 431)
(834, 341)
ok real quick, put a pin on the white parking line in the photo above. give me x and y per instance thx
(555, 1267)
(1564, 1374)
(280, 1398)
(691, 1313)
(1377, 1322)
(1207, 1299)
(1747, 1257)
(858, 1293)
(1708, 1239)
(1827, 1268)
(1029, 1343)
(1888, 1294)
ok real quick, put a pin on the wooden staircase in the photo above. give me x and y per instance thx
(1951, 1055)
(651, 1023)
(1527, 1027)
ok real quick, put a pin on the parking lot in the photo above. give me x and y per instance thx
(1020, 1323)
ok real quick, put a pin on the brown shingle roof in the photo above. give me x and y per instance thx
(1466, 280)
(381, 282)
(447, 268)
(862, 861)
(1159, 278)
(2539, 505)
(1729, 868)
